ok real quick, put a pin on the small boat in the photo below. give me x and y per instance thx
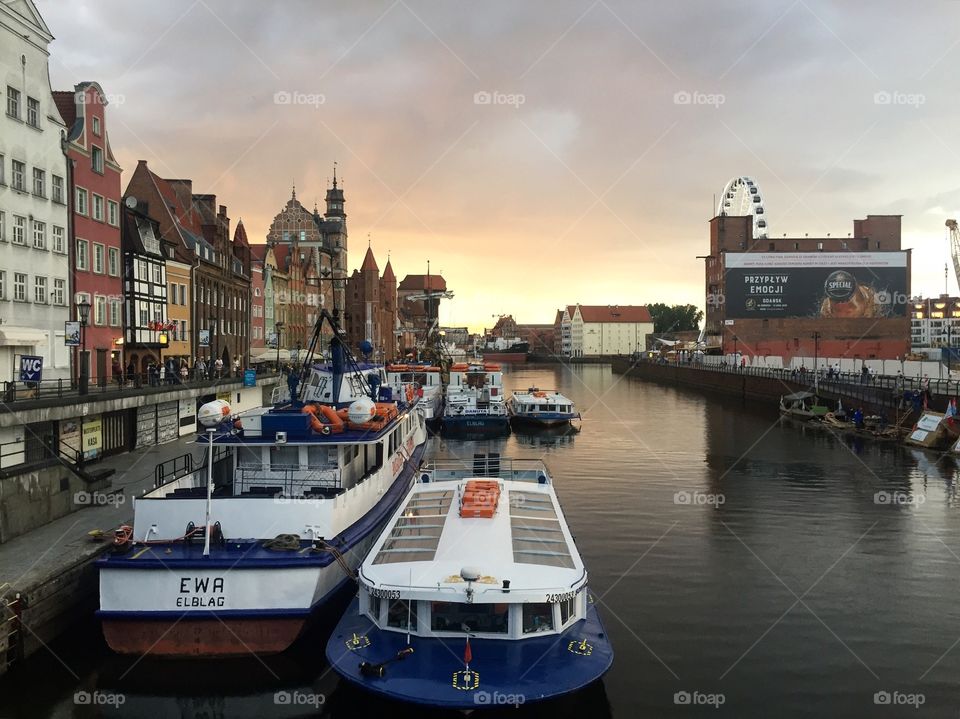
(802, 405)
(423, 382)
(540, 408)
(474, 593)
(235, 557)
(475, 403)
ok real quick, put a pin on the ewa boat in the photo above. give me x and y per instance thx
(235, 557)
(474, 594)
(426, 382)
(540, 408)
(475, 403)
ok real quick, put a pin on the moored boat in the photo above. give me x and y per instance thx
(502, 349)
(540, 408)
(475, 402)
(475, 590)
(234, 558)
(802, 405)
(423, 381)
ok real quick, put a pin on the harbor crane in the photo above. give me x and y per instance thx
(954, 230)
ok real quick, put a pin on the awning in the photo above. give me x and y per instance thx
(21, 337)
(262, 354)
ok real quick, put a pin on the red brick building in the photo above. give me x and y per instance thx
(372, 308)
(806, 296)
(94, 185)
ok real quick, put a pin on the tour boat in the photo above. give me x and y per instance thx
(233, 558)
(475, 403)
(424, 381)
(537, 407)
(474, 594)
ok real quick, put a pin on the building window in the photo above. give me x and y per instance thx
(83, 260)
(96, 126)
(81, 207)
(3, 226)
(114, 313)
(98, 258)
(3, 170)
(98, 208)
(19, 230)
(144, 317)
(173, 294)
(114, 262)
(58, 244)
(19, 172)
(57, 184)
(40, 290)
(39, 182)
(99, 310)
(39, 235)
(3, 285)
(59, 292)
(13, 102)
(158, 274)
(96, 156)
(112, 215)
(19, 287)
(33, 112)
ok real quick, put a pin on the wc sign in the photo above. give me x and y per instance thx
(31, 368)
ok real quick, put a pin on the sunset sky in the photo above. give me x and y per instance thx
(538, 153)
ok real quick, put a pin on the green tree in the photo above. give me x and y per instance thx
(674, 318)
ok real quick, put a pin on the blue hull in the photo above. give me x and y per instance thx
(543, 419)
(476, 426)
(526, 670)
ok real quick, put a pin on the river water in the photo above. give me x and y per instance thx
(743, 566)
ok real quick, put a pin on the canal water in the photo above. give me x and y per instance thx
(743, 567)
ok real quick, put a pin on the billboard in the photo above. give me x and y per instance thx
(816, 284)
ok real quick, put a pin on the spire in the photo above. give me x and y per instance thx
(294, 193)
(369, 263)
(334, 199)
(334, 174)
(388, 272)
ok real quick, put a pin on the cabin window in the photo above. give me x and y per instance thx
(544, 408)
(537, 617)
(473, 618)
(398, 613)
(568, 609)
(248, 456)
(320, 456)
(283, 457)
(373, 608)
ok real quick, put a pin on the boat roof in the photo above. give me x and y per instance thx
(549, 395)
(429, 543)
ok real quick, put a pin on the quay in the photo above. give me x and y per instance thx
(58, 509)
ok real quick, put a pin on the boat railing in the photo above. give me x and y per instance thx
(478, 588)
(519, 470)
(287, 480)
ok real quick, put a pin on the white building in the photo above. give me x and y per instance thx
(34, 242)
(934, 323)
(594, 330)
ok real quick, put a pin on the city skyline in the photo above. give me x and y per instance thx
(519, 174)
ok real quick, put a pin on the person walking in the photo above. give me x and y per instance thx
(218, 366)
(131, 371)
(236, 367)
(184, 372)
(200, 368)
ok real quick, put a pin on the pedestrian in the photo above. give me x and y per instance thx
(743, 364)
(218, 366)
(131, 371)
(117, 372)
(200, 368)
(152, 373)
(236, 367)
(163, 373)
(858, 418)
(184, 371)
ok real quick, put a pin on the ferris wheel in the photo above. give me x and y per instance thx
(742, 197)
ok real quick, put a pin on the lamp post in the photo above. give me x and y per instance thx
(83, 314)
(278, 328)
(816, 354)
(212, 321)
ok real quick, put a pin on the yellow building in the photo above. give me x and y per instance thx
(179, 303)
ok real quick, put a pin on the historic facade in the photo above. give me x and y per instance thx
(34, 219)
(371, 310)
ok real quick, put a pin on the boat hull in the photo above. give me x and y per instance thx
(476, 426)
(508, 357)
(543, 419)
(503, 671)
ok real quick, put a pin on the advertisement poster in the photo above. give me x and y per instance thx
(70, 437)
(204, 338)
(92, 438)
(846, 285)
(71, 333)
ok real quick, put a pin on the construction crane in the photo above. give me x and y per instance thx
(955, 246)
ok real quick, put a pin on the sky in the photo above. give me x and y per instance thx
(541, 153)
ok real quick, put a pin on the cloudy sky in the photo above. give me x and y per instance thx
(545, 152)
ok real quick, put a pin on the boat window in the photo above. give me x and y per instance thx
(321, 456)
(420, 378)
(482, 618)
(544, 408)
(567, 610)
(248, 456)
(537, 617)
(399, 611)
(373, 607)
(282, 457)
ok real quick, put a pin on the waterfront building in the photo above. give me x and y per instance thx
(934, 323)
(34, 219)
(257, 286)
(604, 330)
(371, 309)
(841, 297)
(93, 182)
(179, 306)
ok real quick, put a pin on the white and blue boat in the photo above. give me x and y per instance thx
(473, 595)
(423, 381)
(540, 408)
(475, 402)
(237, 556)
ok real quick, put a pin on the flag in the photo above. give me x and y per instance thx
(467, 654)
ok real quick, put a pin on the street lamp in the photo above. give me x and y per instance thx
(278, 328)
(83, 314)
(212, 324)
(816, 354)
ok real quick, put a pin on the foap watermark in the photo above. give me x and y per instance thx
(95, 98)
(700, 499)
(889, 299)
(898, 498)
(699, 699)
(716, 299)
(686, 97)
(99, 699)
(899, 699)
(99, 499)
(514, 99)
(299, 699)
(499, 699)
(295, 97)
(894, 97)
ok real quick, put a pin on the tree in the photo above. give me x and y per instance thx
(674, 318)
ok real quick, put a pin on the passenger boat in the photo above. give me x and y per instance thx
(234, 558)
(474, 594)
(540, 408)
(802, 405)
(424, 381)
(475, 403)
(502, 349)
